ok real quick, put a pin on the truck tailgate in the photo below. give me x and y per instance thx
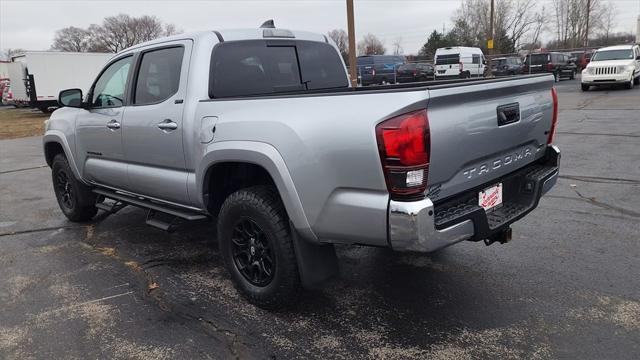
(480, 132)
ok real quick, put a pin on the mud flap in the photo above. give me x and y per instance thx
(316, 263)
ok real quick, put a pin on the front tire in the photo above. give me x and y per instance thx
(630, 83)
(584, 87)
(257, 247)
(76, 200)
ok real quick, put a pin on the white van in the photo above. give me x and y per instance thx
(459, 62)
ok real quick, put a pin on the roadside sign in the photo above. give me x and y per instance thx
(490, 44)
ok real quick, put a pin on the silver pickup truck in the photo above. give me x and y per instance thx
(260, 130)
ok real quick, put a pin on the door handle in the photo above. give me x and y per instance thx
(167, 125)
(113, 124)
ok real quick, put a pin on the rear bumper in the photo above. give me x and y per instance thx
(423, 226)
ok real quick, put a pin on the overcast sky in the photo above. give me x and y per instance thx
(31, 24)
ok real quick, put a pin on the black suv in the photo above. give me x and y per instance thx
(559, 64)
(414, 72)
(504, 66)
(378, 69)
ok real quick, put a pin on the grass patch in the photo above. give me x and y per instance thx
(17, 123)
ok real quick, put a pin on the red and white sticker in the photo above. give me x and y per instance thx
(490, 197)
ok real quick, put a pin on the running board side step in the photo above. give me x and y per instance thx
(153, 208)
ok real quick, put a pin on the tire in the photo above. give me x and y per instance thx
(636, 81)
(254, 228)
(584, 87)
(630, 84)
(75, 199)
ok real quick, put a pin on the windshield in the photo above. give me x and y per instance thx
(498, 62)
(613, 55)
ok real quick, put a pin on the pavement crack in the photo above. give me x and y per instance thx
(18, 232)
(596, 134)
(24, 169)
(600, 179)
(603, 205)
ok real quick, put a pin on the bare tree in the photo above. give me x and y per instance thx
(71, 39)
(571, 20)
(371, 45)
(608, 20)
(116, 33)
(397, 46)
(341, 39)
(9, 53)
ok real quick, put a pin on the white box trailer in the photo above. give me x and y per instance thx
(43, 74)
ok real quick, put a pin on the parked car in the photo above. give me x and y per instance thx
(558, 64)
(504, 66)
(414, 72)
(378, 69)
(459, 62)
(613, 65)
(262, 131)
(581, 58)
(38, 76)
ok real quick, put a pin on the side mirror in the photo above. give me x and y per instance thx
(70, 98)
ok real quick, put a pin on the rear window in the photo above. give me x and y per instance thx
(258, 67)
(447, 59)
(538, 59)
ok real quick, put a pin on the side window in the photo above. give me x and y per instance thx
(159, 75)
(475, 59)
(111, 85)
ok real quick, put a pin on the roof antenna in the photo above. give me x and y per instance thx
(268, 24)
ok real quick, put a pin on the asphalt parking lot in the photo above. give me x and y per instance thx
(567, 286)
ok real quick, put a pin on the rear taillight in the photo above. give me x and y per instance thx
(549, 67)
(404, 146)
(554, 117)
(415, 73)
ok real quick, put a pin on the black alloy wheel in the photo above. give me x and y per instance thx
(64, 189)
(252, 254)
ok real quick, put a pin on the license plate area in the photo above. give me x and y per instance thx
(491, 197)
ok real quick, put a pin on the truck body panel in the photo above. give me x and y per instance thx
(319, 147)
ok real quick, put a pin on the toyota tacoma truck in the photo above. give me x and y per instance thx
(261, 131)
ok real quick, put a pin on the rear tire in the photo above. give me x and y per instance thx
(257, 247)
(76, 200)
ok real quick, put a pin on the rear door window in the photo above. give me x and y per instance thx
(255, 67)
(159, 75)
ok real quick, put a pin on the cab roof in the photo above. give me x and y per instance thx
(238, 35)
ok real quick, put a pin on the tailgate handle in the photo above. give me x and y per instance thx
(508, 114)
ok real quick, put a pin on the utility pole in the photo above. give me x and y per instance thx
(353, 66)
(586, 32)
(491, 31)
